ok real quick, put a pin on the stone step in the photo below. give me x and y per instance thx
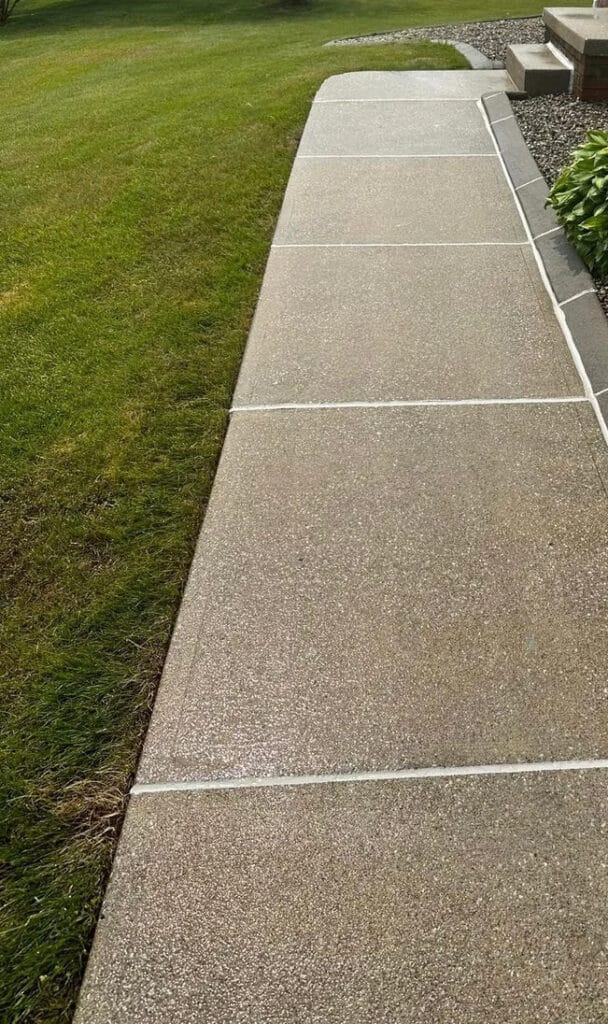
(536, 70)
(581, 34)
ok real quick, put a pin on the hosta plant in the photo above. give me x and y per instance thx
(580, 200)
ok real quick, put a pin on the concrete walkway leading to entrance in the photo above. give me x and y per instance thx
(374, 785)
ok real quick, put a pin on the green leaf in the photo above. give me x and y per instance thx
(580, 200)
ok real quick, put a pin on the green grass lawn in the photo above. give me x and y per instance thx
(145, 148)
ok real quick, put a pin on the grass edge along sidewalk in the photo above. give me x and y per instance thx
(145, 153)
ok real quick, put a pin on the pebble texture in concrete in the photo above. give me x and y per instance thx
(364, 320)
(379, 200)
(380, 587)
(395, 588)
(394, 129)
(478, 901)
(416, 85)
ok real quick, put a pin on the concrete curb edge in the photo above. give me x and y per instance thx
(477, 59)
(569, 278)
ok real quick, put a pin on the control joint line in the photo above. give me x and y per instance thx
(389, 245)
(395, 156)
(404, 99)
(579, 295)
(539, 177)
(443, 772)
(551, 231)
(407, 404)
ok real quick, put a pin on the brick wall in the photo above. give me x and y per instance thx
(590, 79)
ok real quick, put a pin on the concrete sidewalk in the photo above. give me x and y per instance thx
(404, 565)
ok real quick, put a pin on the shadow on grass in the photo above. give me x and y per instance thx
(46, 17)
(55, 16)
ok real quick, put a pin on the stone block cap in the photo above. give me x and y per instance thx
(585, 29)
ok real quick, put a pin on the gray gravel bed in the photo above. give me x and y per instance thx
(490, 37)
(553, 126)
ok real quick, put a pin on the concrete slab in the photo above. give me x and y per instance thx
(565, 269)
(520, 164)
(382, 128)
(497, 106)
(582, 28)
(587, 321)
(417, 200)
(387, 588)
(410, 85)
(541, 219)
(478, 900)
(361, 324)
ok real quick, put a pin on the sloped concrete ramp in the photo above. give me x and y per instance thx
(374, 787)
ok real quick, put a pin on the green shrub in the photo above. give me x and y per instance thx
(580, 200)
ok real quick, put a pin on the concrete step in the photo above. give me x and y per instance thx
(536, 70)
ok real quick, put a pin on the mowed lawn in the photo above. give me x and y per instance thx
(145, 146)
